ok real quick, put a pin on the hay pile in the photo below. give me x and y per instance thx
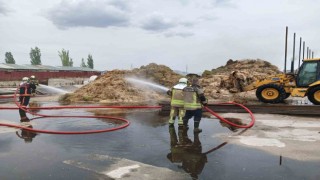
(224, 82)
(113, 87)
(218, 84)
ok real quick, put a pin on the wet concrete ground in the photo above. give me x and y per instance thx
(149, 149)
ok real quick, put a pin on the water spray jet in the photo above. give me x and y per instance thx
(143, 82)
(53, 89)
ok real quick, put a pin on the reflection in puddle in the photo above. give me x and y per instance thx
(186, 152)
(26, 135)
(34, 104)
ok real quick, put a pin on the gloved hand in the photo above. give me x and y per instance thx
(205, 103)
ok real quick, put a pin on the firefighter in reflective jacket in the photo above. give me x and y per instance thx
(193, 100)
(33, 84)
(177, 101)
(24, 98)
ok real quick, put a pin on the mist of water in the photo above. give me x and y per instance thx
(143, 82)
(53, 89)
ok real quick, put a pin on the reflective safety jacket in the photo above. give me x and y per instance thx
(33, 86)
(177, 99)
(192, 95)
(24, 88)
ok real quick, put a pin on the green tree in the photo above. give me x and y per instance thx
(90, 61)
(35, 56)
(65, 59)
(83, 64)
(9, 58)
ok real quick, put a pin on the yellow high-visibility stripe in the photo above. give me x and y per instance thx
(193, 104)
(176, 100)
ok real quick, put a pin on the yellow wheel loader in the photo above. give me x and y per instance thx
(306, 82)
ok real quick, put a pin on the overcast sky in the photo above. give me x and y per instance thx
(120, 34)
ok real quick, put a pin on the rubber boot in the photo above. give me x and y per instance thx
(22, 113)
(196, 127)
(185, 123)
(23, 116)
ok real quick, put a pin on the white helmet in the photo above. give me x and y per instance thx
(25, 79)
(183, 80)
(32, 77)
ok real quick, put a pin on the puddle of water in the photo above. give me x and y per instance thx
(148, 142)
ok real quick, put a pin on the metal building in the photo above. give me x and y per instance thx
(14, 72)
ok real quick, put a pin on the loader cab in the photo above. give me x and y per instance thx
(309, 72)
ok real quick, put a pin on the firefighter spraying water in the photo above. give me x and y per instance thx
(24, 98)
(177, 101)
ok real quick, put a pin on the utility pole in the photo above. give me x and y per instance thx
(300, 52)
(285, 51)
(294, 50)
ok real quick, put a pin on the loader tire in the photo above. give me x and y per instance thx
(314, 95)
(271, 93)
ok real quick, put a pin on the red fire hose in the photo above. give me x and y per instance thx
(231, 123)
(126, 122)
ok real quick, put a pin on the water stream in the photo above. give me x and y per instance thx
(51, 89)
(144, 82)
